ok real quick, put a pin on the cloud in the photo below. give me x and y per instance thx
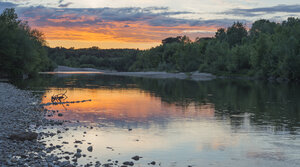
(127, 24)
(65, 5)
(264, 10)
(82, 17)
(4, 5)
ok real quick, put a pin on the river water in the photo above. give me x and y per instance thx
(174, 122)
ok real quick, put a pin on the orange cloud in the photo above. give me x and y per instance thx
(115, 25)
(130, 32)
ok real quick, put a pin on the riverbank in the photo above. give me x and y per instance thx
(149, 74)
(21, 116)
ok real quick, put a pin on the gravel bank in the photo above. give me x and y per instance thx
(149, 74)
(21, 115)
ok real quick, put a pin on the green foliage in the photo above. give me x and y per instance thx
(115, 59)
(21, 48)
(235, 34)
(262, 26)
(178, 39)
(268, 50)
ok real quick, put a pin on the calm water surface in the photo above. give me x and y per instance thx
(175, 122)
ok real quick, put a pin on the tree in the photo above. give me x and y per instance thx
(21, 48)
(236, 33)
(178, 39)
(221, 34)
(262, 26)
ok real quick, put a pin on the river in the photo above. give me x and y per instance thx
(173, 122)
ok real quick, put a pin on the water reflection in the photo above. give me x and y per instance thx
(122, 105)
(178, 122)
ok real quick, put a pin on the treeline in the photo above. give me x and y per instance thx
(22, 50)
(267, 50)
(114, 59)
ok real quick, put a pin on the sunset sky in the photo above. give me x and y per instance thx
(140, 23)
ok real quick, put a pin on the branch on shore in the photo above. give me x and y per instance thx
(66, 102)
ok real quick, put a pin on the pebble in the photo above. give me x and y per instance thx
(129, 163)
(90, 148)
(153, 163)
(21, 113)
(136, 158)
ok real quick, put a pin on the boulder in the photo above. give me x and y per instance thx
(22, 136)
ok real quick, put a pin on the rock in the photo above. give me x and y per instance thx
(77, 155)
(22, 136)
(90, 148)
(14, 160)
(65, 163)
(77, 141)
(153, 163)
(129, 163)
(108, 165)
(136, 158)
(58, 146)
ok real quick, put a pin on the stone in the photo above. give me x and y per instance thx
(78, 142)
(90, 148)
(22, 136)
(153, 163)
(136, 158)
(77, 155)
(129, 163)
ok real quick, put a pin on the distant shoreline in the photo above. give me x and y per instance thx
(149, 74)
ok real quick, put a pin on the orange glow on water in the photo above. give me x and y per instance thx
(121, 104)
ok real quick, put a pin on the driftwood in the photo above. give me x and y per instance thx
(59, 97)
(65, 102)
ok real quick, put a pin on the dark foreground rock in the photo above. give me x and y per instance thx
(22, 136)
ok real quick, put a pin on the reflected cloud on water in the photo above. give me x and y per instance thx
(179, 122)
